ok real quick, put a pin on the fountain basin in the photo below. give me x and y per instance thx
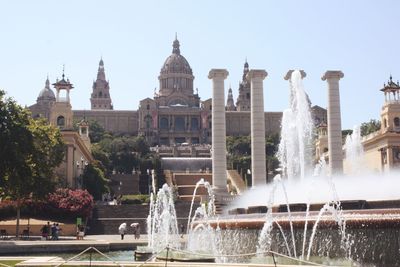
(142, 253)
(181, 256)
(377, 218)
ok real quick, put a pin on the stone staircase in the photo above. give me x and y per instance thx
(125, 184)
(107, 218)
(236, 181)
(186, 183)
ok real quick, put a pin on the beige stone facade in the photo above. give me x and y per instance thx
(175, 114)
(58, 110)
(382, 148)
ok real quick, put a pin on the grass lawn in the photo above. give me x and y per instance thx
(9, 262)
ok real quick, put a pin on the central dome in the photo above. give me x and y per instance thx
(176, 63)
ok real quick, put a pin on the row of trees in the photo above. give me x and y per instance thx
(116, 153)
(30, 150)
(239, 153)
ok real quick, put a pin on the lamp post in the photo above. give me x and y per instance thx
(153, 181)
(119, 188)
(149, 181)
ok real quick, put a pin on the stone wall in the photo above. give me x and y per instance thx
(115, 121)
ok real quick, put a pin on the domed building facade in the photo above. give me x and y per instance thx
(175, 114)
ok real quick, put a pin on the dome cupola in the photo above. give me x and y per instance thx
(46, 94)
(176, 73)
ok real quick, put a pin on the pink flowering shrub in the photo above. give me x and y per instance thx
(71, 202)
(64, 203)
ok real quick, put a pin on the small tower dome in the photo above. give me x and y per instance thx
(46, 94)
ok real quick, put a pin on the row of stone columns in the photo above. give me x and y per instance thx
(258, 168)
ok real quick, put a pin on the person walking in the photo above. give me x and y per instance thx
(45, 232)
(136, 230)
(122, 230)
(54, 232)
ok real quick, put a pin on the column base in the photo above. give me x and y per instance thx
(222, 197)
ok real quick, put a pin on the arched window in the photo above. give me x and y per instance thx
(396, 122)
(179, 124)
(60, 121)
(100, 94)
(148, 107)
(384, 123)
(164, 123)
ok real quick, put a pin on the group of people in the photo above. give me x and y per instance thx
(122, 230)
(51, 232)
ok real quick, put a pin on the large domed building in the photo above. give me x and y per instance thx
(175, 114)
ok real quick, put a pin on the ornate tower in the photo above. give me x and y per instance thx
(61, 111)
(100, 98)
(230, 105)
(244, 97)
(390, 113)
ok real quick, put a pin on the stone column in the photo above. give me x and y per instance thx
(218, 130)
(334, 122)
(257, 122)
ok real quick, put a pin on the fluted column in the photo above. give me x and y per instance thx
(258, 168)
(334, 122)
(218, 129)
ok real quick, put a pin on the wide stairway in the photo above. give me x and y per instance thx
(125, 184)
(107, 218)
(186, 183)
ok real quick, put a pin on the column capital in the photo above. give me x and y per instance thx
(332, 74)
(214, 73)
(289, 74)
(261, 74)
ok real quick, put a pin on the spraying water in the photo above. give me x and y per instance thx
(162, 218)
(294, 151)
(354, 152)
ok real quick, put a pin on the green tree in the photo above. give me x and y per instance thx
(370, 127)
(103, 160)
(96, 131)
(238, 145)
(239, 153)
(94, 181)
(30, 150)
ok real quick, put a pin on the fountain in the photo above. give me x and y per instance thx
(309, 215)
(302, 215)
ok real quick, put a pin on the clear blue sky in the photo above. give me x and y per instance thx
(361, 38)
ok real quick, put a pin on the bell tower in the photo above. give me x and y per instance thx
(390, 114)
(244, 97)
(230, 105)
(61, 112)
(100, 98)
